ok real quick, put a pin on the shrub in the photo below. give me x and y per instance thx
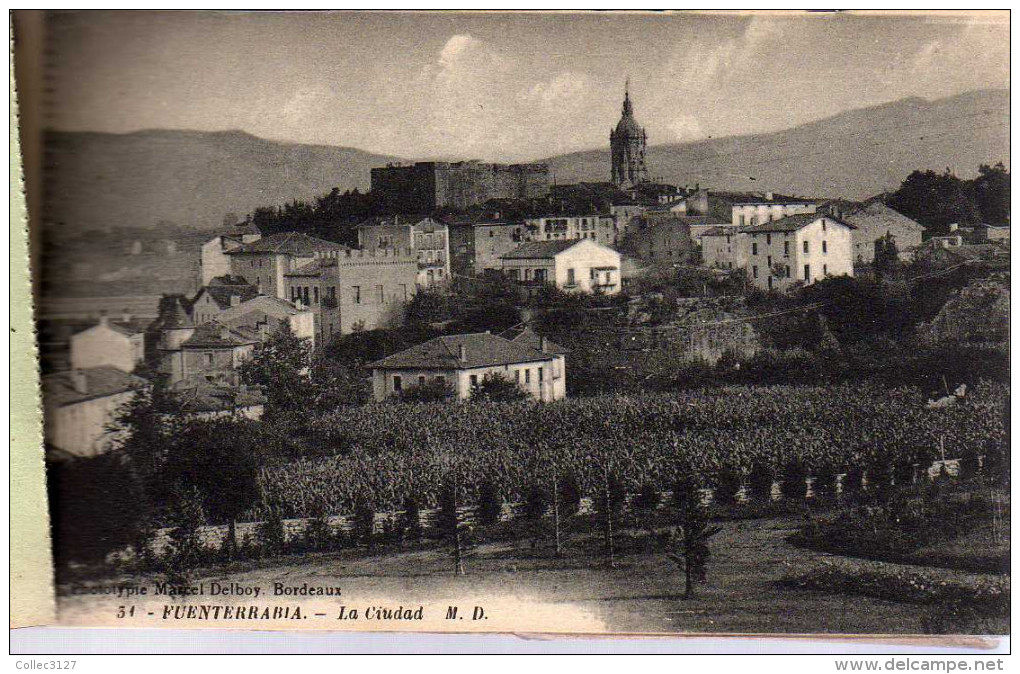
(759, 481)
(433, 390)
(270, 535)
(410, 520)
(187, 550)
(824, 485)
(364, 522)
(727, 484)
(536, 501)
(490, 505)
(569, 494)
(794, 484)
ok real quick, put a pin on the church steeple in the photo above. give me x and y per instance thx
(627, 146)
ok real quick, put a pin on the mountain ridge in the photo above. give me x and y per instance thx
(192, 178)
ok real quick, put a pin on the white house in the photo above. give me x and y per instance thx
(572, 265)
(81, 404)
(799, 248)
(120, 345)
(215, 261)
(463, 361)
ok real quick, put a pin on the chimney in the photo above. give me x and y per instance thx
(769, 196)
(541, 344)
(462, 353)
(235, 300)
(79, 381)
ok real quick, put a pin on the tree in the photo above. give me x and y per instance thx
(494, 387)
(410, 520)
(992, 192)
(609, 503)
(428, 305)
(690, 544)
(490, 505)
(364, 522)
(887, 255)
(334, 385)
(280, 366)
(936, 200)
(451, 522)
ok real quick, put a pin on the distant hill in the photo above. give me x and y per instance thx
(190, 178)
(193, 178)
(854, 154)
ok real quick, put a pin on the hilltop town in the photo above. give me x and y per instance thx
(342, 358)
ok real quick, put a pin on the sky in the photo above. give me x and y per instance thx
(498, 86)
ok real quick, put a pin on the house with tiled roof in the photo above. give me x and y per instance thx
(802, 248)
(464, 361)
(524, 335)
(209, 352)
(262, 315)
(263, 263)
(572, 265)
(117, 344)
(219, 295)
(79, 406)
(722, 247)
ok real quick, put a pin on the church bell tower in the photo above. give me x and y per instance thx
(627, 147)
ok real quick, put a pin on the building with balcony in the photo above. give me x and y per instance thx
(429, 238)
(800, 248)
(572, 265)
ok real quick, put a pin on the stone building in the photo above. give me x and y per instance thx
(559, 226)
(263, 263)
(874, 220)
(723, 247)
(427, 186)
(627, 144)
(464, 361)
(355, 289)
(799, 248)
(429, 238)
(209, 352)
(263, 315)
(572, 265)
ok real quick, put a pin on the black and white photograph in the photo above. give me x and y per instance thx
(574, 323)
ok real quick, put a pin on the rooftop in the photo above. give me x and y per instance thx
(719, 231)
(270, 306)
(220, 293)
(533, 250)
(294, 243)
(480, 350)
(791, 223)
(207, 397)
(525, 336)
(59, 388)
(217, 336)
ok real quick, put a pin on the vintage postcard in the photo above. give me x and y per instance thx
(562, 323)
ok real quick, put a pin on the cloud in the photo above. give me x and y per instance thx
(478, 102)
(703, 62)
(687, 128)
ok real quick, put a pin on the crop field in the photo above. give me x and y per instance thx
(385, 454)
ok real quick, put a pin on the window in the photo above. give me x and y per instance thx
(787, 271)
(491, 234)
(421, 380)
(754, 271)
(806, 247)
(398, 384)
(517, 376)
(316, 294)
(825, 270)
(768, 239)
(786, 247)
(474, 380)
(570, 277)
(209, 358)
(304, 291)
(825, 247)
(527, 376)
(770, 261)
(541, 374)
(380, 293)
(740, 220)
(770, 283)
(356, 293)
(823, 225)
(807, 272)
(728, 239)
(754, 249)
